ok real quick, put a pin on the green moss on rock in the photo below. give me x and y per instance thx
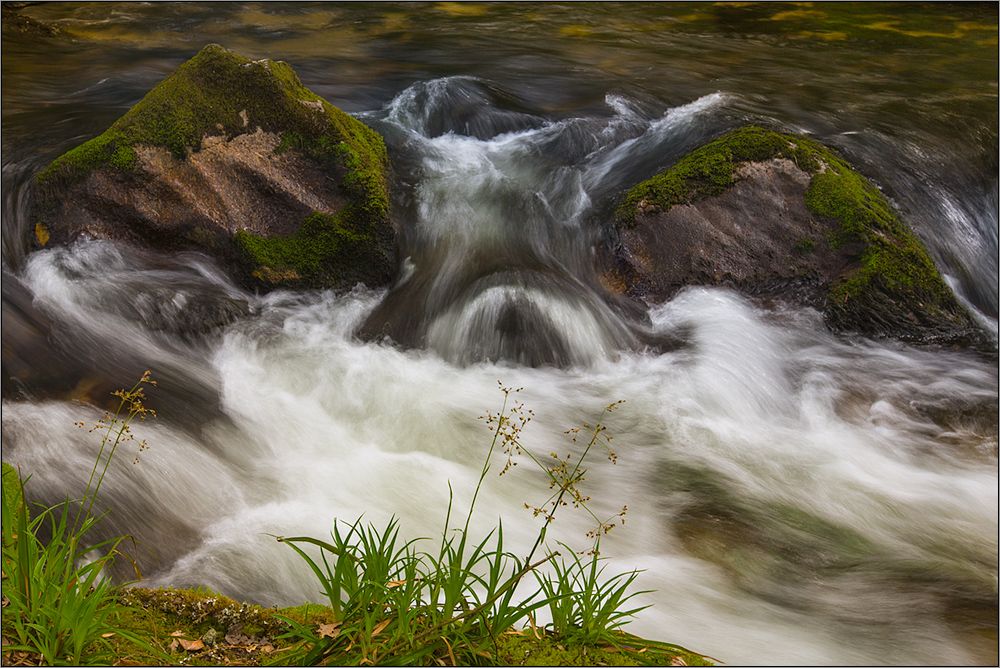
(220, 93)
(326, 248)
(202, 609)
(893, 261)
(890, 282)
(710, 170)
(529, 649)
(258, 636)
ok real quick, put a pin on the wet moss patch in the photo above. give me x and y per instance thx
(709, 170)
(217, 630)
(893, 261)
(219, 93)
(890, 283)
(530, 648)
(216, 92)
(326, 249)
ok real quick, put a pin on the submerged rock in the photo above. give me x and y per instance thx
(238, 159)
(781, 216)
(15, 24)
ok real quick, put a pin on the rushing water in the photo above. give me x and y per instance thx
(793, 496)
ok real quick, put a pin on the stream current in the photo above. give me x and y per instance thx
(794, 497)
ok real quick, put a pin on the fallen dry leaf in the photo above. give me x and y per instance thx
(107, 635)
(22, 659)
(381, 625)
(329, 630)
(677, 661)
(191, 645)
(187, 645)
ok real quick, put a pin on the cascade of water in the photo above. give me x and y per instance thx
(820, 500)
(498, 257)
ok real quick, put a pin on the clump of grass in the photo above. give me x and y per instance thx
(394, 603)
(583, 608)
(59, 606)
(388, 601)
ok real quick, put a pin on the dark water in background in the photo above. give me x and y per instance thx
(794, 497)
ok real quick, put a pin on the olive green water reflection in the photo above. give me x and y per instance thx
(908, 91)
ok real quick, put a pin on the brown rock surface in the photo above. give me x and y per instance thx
(237, 159)
(228, 186)
(781, 216)
(750, 237)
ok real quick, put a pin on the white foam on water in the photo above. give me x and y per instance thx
(790, 496)
(325, 428)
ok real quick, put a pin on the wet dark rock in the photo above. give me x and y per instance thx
(27, 353)
(780, 216)
(14, 23)
(188, 314)
(47, 358)
(236, 159)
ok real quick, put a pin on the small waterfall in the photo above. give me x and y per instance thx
(499, 248)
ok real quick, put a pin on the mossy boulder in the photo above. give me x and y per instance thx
(781, 216)
(238, 159)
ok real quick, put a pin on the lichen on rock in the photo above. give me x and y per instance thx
(238, 159)
(780, 215)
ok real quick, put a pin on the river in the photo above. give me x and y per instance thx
(794, 497)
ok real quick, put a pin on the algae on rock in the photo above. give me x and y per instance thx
(780, 215)
(238, 159)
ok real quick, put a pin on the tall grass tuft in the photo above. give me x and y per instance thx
(396, 604)
(584, 607)
(59, 606)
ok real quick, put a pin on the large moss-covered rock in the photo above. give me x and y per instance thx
(238, 159)
(782, 216)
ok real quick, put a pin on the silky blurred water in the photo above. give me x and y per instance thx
(793, 497)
